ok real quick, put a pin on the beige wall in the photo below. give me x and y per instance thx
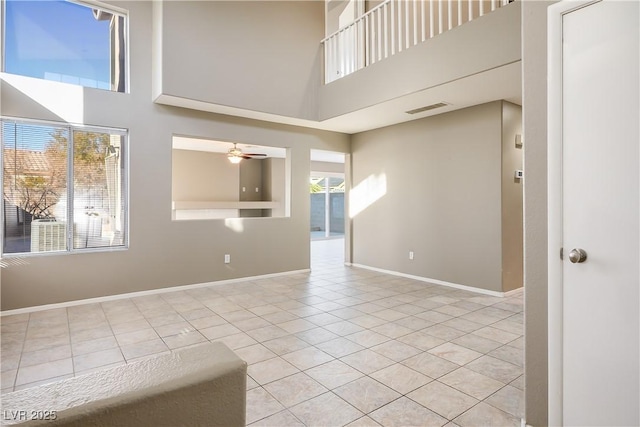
(162, 252)
(442, 200)
(512, 227)
(273, 179)
(242, 54)
(202, 176)
(336, 8)
(251, 186)
(534, 65)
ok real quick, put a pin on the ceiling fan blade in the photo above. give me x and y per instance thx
(244, 156)
(254, 154)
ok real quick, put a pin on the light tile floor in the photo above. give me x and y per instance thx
(339, 346)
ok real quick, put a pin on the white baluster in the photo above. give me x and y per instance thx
(342, 56)
(406, 26)
(373, 37)
(431, 18)
(391, 20)
(367, 53)
(415, 22)
(422, 21)
(349, 49)
(439, 16)
(354, 44)
(386, 32)
(379, 36)
(399, 25)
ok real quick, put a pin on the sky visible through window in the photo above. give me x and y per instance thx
(57, 40)
(26, 136)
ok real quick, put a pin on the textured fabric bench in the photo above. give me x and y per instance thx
(203, 385)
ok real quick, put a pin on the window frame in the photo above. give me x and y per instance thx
(92, 4)
(71, 127)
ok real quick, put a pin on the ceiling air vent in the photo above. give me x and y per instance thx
(427, 108)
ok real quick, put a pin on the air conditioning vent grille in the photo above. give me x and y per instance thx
(427, 108)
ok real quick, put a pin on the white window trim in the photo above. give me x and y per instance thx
(126, 166)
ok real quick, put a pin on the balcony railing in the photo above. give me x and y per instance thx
(394, 26)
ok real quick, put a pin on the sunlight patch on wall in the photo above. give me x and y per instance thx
(64, 100)
(366, 193)
(234, 224)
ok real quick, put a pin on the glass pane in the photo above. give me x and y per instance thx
(336, 206)
(98, 189)
(34, 162)
(336, 185)
(66, 42)
(318, 207)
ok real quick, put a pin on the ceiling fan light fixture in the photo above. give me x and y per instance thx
(234, 159)
(235, 155)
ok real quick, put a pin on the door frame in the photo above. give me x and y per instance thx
(555, 301)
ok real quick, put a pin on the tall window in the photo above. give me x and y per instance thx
(64, 187)
(65, 41)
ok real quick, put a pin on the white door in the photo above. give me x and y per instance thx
(594, 305)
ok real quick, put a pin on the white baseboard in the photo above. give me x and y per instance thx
(514, 292)
(438, 282)
(144, 293)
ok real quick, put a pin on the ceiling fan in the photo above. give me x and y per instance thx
(235, 155)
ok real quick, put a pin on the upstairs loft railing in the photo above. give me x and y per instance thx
(394, 26)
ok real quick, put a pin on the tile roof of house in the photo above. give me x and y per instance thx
(26, 162)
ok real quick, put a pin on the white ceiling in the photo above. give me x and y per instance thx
(213, 146)
(326, 156)
(498, 83)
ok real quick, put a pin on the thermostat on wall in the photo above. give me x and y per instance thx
(519, 174)
(519, 140)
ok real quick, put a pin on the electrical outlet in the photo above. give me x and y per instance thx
(411, 255)
(227, 258)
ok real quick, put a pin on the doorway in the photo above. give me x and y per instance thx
(328, 189)
(327, 205)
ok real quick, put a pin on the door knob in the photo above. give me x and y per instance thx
(577, 256)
